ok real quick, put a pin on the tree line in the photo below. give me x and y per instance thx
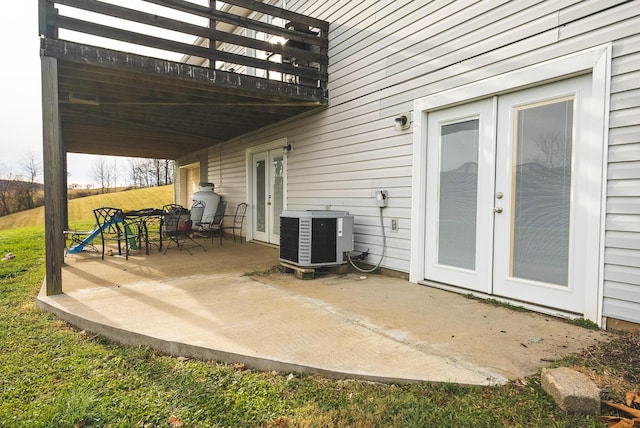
(140, 173)
(23, 190)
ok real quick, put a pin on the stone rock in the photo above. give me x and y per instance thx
(574, 392)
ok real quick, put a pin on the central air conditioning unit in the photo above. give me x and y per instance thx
(315, 238)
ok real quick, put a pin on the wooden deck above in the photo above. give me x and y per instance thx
(223, 84)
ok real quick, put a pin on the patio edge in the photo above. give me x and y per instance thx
(180, 349)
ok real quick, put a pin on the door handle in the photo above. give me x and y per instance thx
(497, 210)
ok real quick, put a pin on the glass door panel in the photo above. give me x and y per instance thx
(277, 193)
(260, 196)
(458, 194)
(541, 193)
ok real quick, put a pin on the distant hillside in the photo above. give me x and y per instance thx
(18, 195)
(10, 184)
(81, 209)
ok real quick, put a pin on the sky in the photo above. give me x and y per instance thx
(21, 117)
(20, 89)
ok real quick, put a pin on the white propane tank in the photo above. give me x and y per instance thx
(210, 199)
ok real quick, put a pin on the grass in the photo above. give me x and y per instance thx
(55, 376)
(496, 302)
(52, 375)
(271, 270)
(81, 209)
(585, 323)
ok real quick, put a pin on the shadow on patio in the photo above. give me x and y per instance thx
(87, 270)
(227, 304)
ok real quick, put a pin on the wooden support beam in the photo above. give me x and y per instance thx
(54, 192)
(212, 41)
(65, 198)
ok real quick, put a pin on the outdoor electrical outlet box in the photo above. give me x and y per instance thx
(381, 198)
(394, 225)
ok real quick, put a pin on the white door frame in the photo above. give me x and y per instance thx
(596, 61)
(280, 143)
(187, 183)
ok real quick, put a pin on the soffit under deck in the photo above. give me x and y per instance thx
(116, 103)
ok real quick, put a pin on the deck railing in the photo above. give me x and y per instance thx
(239, 36)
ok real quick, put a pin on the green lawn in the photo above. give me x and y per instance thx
(53, 375)
(81, 209)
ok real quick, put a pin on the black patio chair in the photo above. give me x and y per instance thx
(177, 229)
(238, 220)
(108, 221)
(152, 219)
(210, 228)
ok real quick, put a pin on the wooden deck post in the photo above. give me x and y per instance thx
(53, 160)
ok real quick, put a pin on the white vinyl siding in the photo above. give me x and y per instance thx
(622, 239)
(383, 55)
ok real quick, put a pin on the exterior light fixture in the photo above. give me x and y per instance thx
(402, 122)
(288, 148)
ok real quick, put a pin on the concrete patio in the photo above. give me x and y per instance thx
(228, 304)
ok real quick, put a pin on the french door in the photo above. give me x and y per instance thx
(506, 196)
(460, 171)
(269, 172)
